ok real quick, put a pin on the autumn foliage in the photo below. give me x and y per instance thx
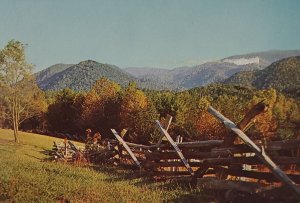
(108, 105)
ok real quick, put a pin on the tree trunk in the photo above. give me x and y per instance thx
(18, 117)
(17, 133)
(15, 122)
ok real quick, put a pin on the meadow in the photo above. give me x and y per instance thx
(27, 176)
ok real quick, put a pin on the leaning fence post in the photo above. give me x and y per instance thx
(120, 139)
(178, 151)
(166, 126)
(259, 152)
(246, 122)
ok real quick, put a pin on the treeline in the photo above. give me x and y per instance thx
(107, 105)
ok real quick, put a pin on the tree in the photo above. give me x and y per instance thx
(101, 106)
(207, 126)
(137, 114)
(266, 122)
(188, 111)
(20, 96)
(63, 114)
(164, 101)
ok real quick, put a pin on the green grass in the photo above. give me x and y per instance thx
(26, 177)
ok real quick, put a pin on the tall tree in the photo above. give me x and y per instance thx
(101, 106)
(63, 114)
(137, 114)
(20, 96)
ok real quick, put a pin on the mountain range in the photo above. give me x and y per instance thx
(210, 72)
(81, 76)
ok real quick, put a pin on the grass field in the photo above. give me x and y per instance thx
(25, 176)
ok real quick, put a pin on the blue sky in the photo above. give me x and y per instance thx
(147, 33)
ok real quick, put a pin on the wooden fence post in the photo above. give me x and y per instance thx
(120, 139)
(166, 127)
(178, 151)
(246, 122)
(259, 152)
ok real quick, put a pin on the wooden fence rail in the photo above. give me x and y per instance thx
(220, 158)
(260, 152)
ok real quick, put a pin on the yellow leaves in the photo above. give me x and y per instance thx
(135, 111)
(133, 99)
(98, 102)
(105, 88)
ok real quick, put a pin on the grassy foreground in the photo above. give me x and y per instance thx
(26, 177)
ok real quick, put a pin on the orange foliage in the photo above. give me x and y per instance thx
(209, 128)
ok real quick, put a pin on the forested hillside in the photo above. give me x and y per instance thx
(80, 77)
(45, 75)
(283, 76)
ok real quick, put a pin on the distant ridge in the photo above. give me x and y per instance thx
(268, 57)
(81, 76)
(210, 72)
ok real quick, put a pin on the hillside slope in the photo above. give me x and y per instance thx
(49, 72)
(82, 76)
(26, 177)
(283, 75)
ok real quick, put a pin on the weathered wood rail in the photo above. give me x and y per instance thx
(260, 152)
(64, 151)
(275, 161)
(120, 139)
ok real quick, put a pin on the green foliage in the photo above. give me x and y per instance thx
(164, 101)
(192, 121)
(82, 76)
(108, 105)
(63, 114)
(137, 114)
(283, 75)
(20, 98)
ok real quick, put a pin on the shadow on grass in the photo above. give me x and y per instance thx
(46, 152)
(197, 197)
(116, 173)
(142, 179)
(31, 156)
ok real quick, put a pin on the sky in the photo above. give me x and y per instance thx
(147, 33)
